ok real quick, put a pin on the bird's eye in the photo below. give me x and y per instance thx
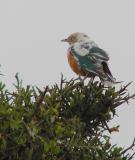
(72, 39)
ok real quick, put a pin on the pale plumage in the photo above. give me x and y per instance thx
(87, 59)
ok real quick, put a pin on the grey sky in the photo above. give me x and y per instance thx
(30, 34)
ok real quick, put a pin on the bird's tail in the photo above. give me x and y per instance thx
(107, 77)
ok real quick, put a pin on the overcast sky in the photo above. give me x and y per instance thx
(30, 34)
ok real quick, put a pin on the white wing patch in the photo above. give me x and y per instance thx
(83, 48)
(81, 51)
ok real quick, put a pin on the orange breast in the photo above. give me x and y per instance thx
(73, 64)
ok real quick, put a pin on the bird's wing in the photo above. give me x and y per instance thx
(98, 54)
(92, 58)
(90, 49)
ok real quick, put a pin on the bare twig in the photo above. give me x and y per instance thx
(124, 88)
(123, 100)
(130, 147)
(107, 127)
(39, 102)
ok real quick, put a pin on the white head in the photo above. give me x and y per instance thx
(76, 37)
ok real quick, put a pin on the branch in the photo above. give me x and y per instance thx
(123, 100)
(124, 88)
(107, 127)
(130, 147)
(39, 102)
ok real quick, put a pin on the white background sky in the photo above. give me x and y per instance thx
(30, 34)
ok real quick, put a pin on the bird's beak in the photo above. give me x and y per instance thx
(64, 40)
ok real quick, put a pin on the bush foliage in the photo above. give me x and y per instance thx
(68, 121)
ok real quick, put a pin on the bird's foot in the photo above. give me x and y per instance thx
(82, 79)
(91, 80)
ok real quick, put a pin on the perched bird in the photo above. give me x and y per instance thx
(87, 59)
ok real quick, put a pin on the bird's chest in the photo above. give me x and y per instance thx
(74, 64)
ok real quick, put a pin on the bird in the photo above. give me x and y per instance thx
(87, 59)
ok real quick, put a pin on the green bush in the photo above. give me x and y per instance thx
(68, 121)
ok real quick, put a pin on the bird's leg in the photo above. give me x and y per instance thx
(91, 79)
(86, 76)
(81, 79)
